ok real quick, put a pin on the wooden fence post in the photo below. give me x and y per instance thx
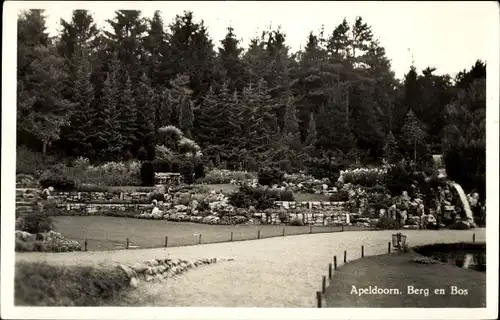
(362, 251)
(231, 236)
(345, 256)
(85, 244)
(334, 262)
(310, 229)
(319, 298)
(342, 228)
(323, 285)
(389, 247)
(283, 232)
(199, 239)
(330, 272)
(128, 243)
(166, 241)
(258, 234)
(473, 237)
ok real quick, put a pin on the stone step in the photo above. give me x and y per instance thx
(25, 203)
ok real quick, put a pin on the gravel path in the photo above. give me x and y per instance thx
(274, 272)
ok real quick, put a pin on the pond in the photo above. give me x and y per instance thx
(463, 255)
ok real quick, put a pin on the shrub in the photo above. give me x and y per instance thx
(323, 168)
(286, 195)
(199, 170)
(35, 223)
(283, 216)
(297, 222)
(248, 196)
(218, 176)
(158, 196)
(397, 180)
(387, 224)
(142, 154)
(162, 166)
(270, 176)
(30, 162)
(340, 196)
(187, 171)
(363, 176)
(43, 284)
(147, 173)
(59, 183)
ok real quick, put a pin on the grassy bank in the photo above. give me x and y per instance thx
(398, 271)
(42, 284)
(108, 233)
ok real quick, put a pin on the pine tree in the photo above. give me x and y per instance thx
(144, 102)
(186, 117)
(106, 138)
(157, 52)
(75, 136)
(291, 129)
(391, 152)
(312, 134)
(125, 39)
(127, 115)
(413, 133)
(229, 58)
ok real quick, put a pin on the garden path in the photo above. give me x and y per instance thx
(273, 272)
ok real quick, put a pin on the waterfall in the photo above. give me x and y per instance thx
(439, 168)
(463, 198)
(468, 260)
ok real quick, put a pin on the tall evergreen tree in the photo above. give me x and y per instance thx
(413, 133)
(230, 59)
(127, 117)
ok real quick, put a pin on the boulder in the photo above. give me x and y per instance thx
(134, 282)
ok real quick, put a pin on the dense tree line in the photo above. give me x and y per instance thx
(105, 94)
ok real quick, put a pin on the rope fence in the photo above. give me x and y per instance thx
(187, 239)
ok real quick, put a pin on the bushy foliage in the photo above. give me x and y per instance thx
(158, 196)
(397, 180)
(363, 176)
(147, 173)
(71, 286)
(270, 176)
(296, 222)
(340, 196)
(247, 196)
(35, 223)
(57, 181)
(29, 162)
(323, 168)
(220, 176)
(387, 224)
(199, 170)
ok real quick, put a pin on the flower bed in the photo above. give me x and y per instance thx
(45, 242)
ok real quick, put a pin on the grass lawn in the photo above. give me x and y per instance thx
(398, 271)
(108, 233)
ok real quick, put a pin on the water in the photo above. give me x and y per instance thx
(463, 198)
(466, 259)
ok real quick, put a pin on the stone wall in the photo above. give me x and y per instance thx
(137, 205)
(89, 197)
(168, 178)
(157, 270)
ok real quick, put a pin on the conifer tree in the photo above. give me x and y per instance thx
(186, 117)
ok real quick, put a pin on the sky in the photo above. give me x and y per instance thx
(449, 36)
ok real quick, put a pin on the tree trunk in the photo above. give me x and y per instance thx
(44, 147)
(415, 150)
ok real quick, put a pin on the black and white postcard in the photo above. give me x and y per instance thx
(250, 160)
